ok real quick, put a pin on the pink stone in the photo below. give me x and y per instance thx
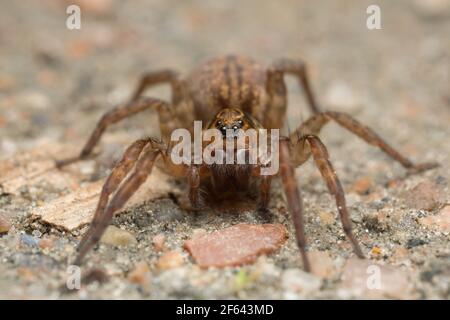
(5, 225)
(140, 275)
(169, 260)
(236, 245)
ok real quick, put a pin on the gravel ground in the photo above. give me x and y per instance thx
(55, 83)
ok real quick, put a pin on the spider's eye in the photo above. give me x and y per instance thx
(219, 123)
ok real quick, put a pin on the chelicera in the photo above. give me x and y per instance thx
(227, 93)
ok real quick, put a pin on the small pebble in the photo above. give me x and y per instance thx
(159, 242)
(376, 253)
(414, 242)
(424, 196)
(373, 222)
(117, 237)
(362, 185)
(352, 199)
(400, 253)
(36, 233)
(296, 281)
(171, 259)
(140, 275)
(198, 232)
(236, 245)
(440, 221)
(322, 264)
(327, 217)
(29, 240)
(367, 279)
(5, 225)
(87, 167)
(46, 243)
(35, 100)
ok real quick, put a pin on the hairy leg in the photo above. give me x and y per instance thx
(143, 168)
(118, 173)
(150, 79)
(314, 124)
(277, 90)
(265, 182)
(264, 193)
(321, 159)
(193, 178)
(294, 199)
(119, 113)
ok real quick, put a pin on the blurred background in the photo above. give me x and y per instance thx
(55, 83)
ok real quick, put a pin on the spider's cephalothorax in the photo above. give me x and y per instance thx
(228, 173)
(229, 94)
(232, 119)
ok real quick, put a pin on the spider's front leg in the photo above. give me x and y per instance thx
(276, 90)
(265, 182)
(321, 159)
(141, 155)
(301, 150)
(193, 178)
(135, 105)
(294, 199)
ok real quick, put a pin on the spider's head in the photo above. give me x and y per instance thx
(231, 119)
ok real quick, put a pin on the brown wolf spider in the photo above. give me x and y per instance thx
(236, 93)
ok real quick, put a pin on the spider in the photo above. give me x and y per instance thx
(230, 92)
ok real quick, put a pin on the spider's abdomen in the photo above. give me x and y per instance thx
(230, 81)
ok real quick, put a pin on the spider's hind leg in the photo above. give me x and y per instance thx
(193, 179)
(276, 88)
(136, 104)
(315, 123)
(294, 199)
(321, 159)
